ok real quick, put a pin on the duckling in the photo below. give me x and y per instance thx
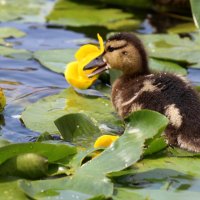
(138, 88)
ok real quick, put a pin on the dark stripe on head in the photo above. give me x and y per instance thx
(110, 48)
(136, 42)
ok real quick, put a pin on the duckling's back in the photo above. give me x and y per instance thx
(168, 94)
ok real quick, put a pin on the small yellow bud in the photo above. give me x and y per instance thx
(2, 100)
(105, 141)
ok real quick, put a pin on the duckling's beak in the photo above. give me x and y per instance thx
(98, 64)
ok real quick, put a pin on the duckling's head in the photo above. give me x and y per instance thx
(123, 51)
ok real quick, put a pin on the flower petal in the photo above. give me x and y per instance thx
(101, 44)
(74, 72)
(76, 79)
(85, 50)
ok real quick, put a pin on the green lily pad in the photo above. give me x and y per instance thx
(155, 194)
(55, 60)
(29, 10)
(124, 194)
(53, 152)
(77, 128)
(195, 12)
(28, 165)
(41, 115)
(182, 28)
(162, 167)
(9, 190)
(173, 163)
(15, 53)
(54, 188)
(91, 178)
(173, 48)
(158, 65)
(6, 32)
(79, 14)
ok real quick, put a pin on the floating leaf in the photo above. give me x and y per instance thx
(157, 65)
(125, 194)
(55, 60)
(3, 142)
(177, 152)
(91, 178)
(77, 128)
(182, 28)
(173, 48)
(124, 152)
(15, 53)
(79, 14)
(9, 189)
(28, 165)
(155, 145)
(28, 10)
(195, 12)
(7, 32)
(163, 167)
(53, 152)
(155, 194)
(54, 188)
(41, 115)
(114, 74)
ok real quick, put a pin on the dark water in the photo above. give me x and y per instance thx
(26, 81)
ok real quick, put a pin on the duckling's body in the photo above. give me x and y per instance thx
(165, 93)
(137, 89)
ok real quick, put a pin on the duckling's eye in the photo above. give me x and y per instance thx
(124, 52)
(110, 49)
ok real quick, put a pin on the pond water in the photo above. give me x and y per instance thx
(26, 81)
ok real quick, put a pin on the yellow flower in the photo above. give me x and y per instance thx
(2, 100)
(74, 73)
(105, 141)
